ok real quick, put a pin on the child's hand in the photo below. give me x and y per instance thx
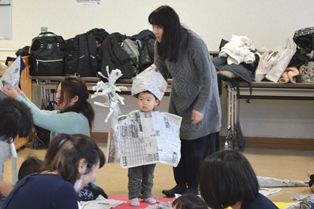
(112, 131)
(5, 188)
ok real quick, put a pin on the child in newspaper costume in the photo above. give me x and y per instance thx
(141, 133)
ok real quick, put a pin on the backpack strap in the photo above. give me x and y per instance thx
(248, 99)
(235, 83)
(92, 49)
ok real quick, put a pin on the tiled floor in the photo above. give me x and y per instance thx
(282, 164)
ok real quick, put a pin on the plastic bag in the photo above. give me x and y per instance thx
(284, 56)
(266, 61)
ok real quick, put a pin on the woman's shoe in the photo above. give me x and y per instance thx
(191, 190)
(178, 189)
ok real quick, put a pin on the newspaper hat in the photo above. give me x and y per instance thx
(150, 80)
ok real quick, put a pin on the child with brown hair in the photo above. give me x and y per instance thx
(189, 201)
(32, 164)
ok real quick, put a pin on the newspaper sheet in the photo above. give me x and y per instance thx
(100, 203)
(145, 138)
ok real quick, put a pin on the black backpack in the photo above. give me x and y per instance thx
(114, 56)
(132, 48)
(47, 54)
(304, 40)
(83, 57)
(147, 39)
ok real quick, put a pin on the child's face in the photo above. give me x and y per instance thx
(147, 101)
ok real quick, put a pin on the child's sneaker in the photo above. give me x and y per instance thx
(134, 202)
(150, 200)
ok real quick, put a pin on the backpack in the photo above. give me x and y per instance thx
(83, 56)
(47, 54)
(303, 58)
(132, 48)
(130, 54)
(114, 56)
(304, 40)
(147, 54)
(147, 40)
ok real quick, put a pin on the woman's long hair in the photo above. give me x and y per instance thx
(65, 151)
(73, 86)
(169, 20)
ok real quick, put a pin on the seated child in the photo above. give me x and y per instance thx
(189, 201)
(30, 165)
(16, 120)
(311, 181)
(227, 179)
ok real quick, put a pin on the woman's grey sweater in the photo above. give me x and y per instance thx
(194, 87)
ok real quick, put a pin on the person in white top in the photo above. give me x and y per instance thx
(16, 120)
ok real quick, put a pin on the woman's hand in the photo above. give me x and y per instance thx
(5, 188)
(196, 116)
(10, 92)
(112, 131)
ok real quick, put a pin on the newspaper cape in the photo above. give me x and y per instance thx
(145, 138)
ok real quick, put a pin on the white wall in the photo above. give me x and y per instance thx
(267, 23)
(273, 118)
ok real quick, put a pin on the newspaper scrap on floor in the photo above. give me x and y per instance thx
(302, 197)
(273, 182)
(161, 205)
(100, 203)
(266, 191)
(304, 202)
(145, 138)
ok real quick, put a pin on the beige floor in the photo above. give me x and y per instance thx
(282, 164)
